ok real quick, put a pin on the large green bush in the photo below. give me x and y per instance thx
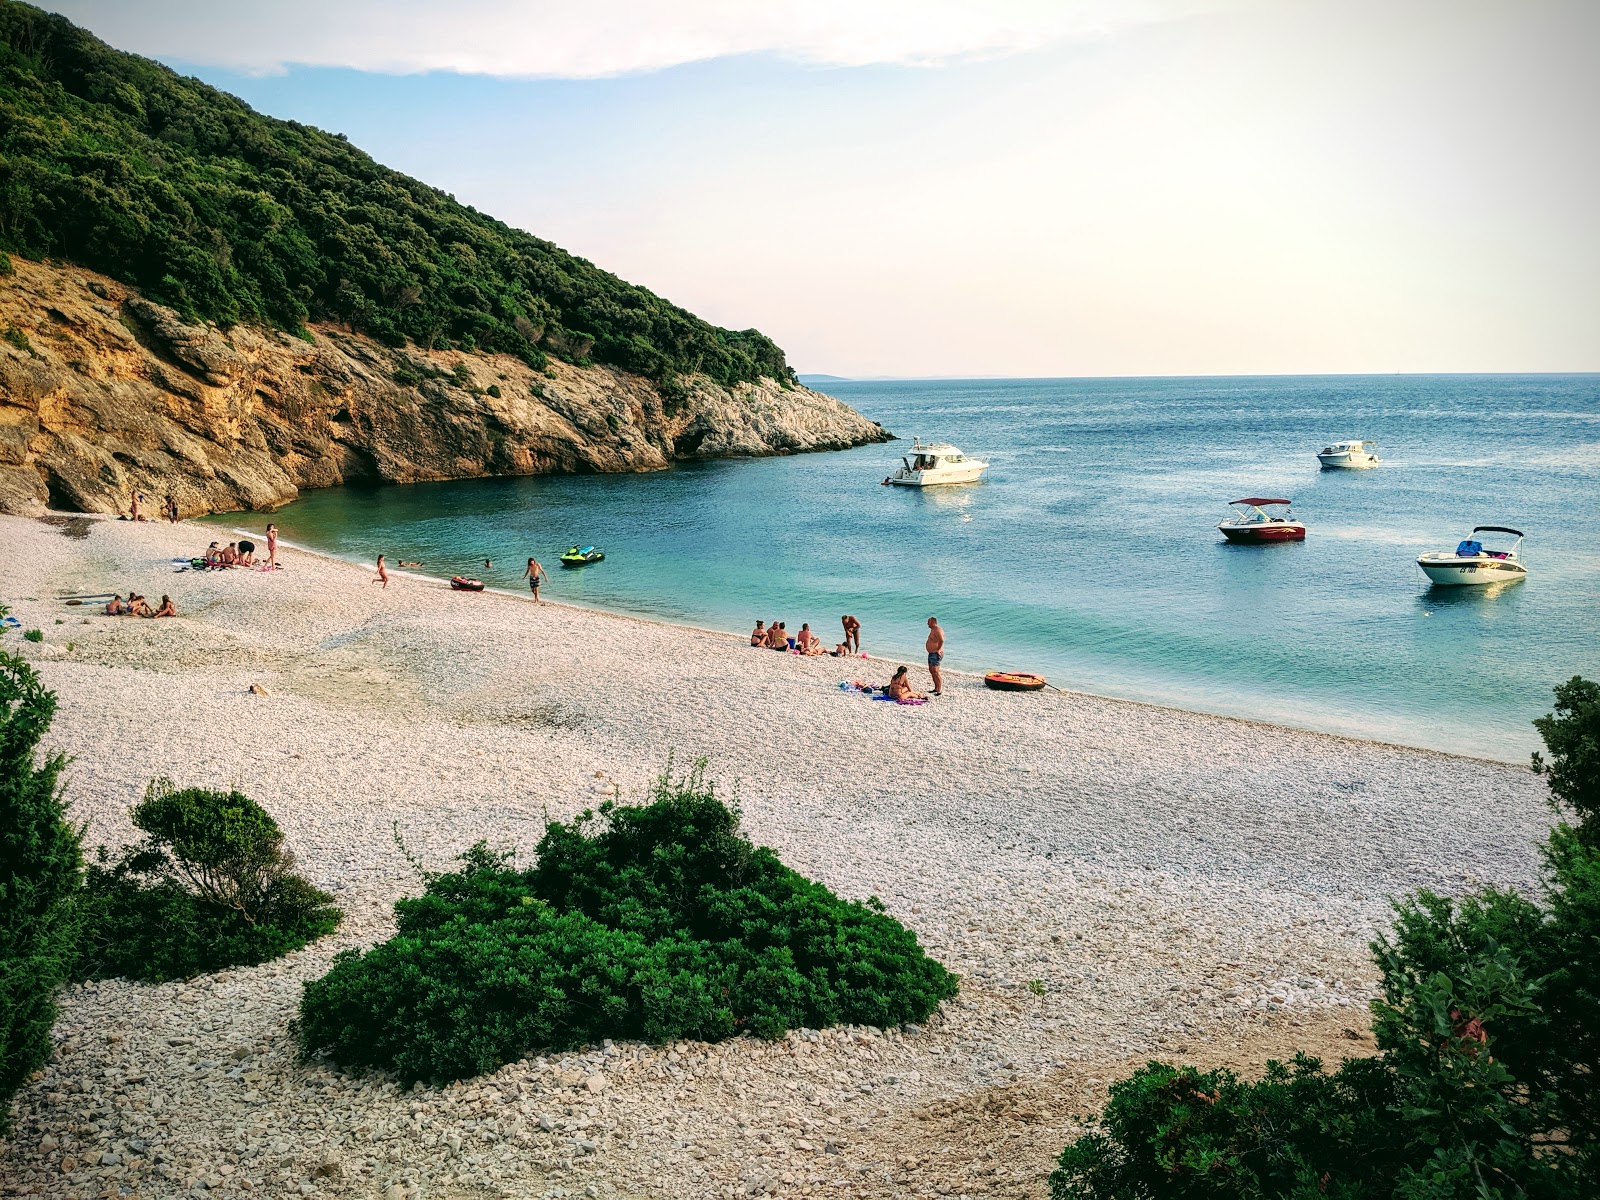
(1486, 1087)
(210, 886)
(117, 163)
(653, 922)
(40, 865)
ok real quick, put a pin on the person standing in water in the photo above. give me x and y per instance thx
(535, 572)
(852, 633)
(383, 573)
(935, 648)
(272, 547)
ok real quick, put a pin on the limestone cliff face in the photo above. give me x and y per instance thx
(103, 392)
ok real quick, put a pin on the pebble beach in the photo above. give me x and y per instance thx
(1113, 882)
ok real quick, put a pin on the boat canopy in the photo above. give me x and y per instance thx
(1497, 529)
(1258, 500)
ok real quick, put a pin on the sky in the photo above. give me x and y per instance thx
(993, 187)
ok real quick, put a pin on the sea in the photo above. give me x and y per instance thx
(1089, 551)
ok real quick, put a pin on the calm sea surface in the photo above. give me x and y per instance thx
(1089, 551)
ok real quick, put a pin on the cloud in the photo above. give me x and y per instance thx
(598, 38)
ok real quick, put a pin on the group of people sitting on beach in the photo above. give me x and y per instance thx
(137, 606)
(776, 637)
(234, 554)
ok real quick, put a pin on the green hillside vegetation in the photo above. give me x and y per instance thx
(118, 164)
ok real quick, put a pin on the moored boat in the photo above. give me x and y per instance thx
(1014, 681)
(1349, 456)
(1251, 523)
(936, 463)
(1471, 564)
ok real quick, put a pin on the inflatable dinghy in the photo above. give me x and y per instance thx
(466, 585)
(1014, 681)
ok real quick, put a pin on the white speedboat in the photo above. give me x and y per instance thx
(1471, 563)
(936, 463)
(1350, 456)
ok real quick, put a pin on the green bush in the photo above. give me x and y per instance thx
(1489, 1028)
(34, 635)
(119, 164)
(40, 866)
(18, 339)
(652, 922)
(1572, 736)
(210, 886)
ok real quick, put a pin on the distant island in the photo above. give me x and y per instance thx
(312, 316)
(808, 380)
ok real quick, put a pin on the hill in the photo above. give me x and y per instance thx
(119, 164)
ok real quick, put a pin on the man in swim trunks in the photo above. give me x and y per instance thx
(935, 648)
(852, 633)
(534, 573)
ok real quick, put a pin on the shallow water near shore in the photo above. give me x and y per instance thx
(1089, 551)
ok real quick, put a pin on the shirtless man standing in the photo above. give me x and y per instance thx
(935, 648)
(852, 633)
(535, 573)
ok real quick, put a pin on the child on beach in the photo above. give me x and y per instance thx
(383, 573)
(272, 546)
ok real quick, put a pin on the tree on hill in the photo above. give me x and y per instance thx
(121, 165)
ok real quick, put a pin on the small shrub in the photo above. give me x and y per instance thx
(18, 339)
(536, 390)
(211, 886)
(494, 390)
(34, 635)
(658, 921)
(5, 265)
(1572, 737)
(405, 376)
(461, 376)
(40, 865)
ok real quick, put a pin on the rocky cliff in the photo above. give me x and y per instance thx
(103, 393)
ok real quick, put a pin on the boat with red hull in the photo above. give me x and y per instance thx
(1252, 525)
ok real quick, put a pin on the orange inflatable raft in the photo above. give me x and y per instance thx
(1014, 681)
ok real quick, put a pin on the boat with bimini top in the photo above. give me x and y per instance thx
(1251, 524)
(1471, 563)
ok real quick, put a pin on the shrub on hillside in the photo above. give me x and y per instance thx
(1489, 1027)
(211, 886)
(40, 864)
(653, 922)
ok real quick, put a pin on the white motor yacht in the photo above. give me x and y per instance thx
(936, 463)
(1351, 456)
(1471, 563)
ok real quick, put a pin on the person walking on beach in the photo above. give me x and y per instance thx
(383, 573)
(133, 508)
(852, 633)
(272, 547)
(935, 647)
(171, 509)
(534, 573)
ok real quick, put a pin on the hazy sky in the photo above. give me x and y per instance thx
(1000, 187)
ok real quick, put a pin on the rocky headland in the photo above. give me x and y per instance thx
(103, 393)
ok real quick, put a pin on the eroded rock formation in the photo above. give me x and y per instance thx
(103, 393)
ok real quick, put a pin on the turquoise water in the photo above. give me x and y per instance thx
(1089, 552)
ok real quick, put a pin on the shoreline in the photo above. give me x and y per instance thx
(1112, 881)
(958, 672)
